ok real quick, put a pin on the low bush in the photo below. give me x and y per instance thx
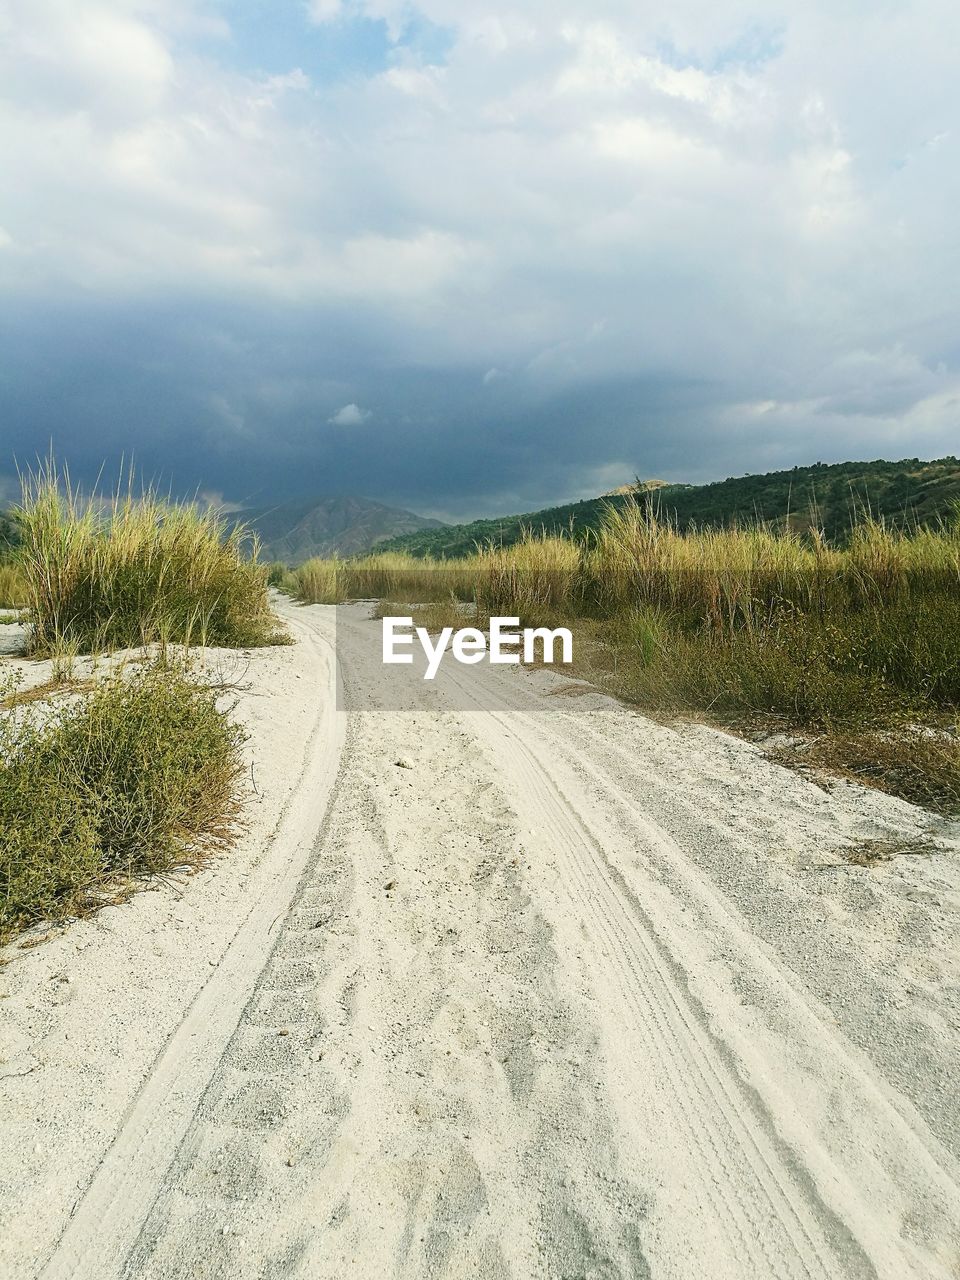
(139, 775)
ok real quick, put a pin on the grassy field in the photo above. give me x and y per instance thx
(853, 649)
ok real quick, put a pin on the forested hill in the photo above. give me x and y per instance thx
(828, 496)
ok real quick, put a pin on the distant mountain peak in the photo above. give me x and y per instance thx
(329, 525)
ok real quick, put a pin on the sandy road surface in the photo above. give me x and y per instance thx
(522, 986)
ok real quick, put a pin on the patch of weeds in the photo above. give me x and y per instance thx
(17, 697)
(138, 776)
(918, 765)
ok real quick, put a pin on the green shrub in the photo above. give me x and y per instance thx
(137, 776)
(136, 570)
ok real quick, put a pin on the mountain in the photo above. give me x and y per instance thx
(295, 531)
(827, 496)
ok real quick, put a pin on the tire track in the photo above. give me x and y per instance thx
(764, 1222)
(792, 1228)
(408, 1092)
(110, 1212)
(493, 1037)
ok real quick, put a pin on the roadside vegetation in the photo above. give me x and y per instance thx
(135, 569)
(850, 652)
(106, 780)
(136, 775)
(384, 575)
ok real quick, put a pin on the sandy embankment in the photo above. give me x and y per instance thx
(560, 993)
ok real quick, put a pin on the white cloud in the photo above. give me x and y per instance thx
(105, 60)
(351, 415)
(320, 11)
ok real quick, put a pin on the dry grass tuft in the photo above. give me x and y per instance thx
(14, 590)
(134, 570)
(874, 853)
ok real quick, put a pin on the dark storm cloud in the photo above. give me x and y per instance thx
(253, 402)
(502, 257)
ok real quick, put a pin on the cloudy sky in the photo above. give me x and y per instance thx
(473, 258)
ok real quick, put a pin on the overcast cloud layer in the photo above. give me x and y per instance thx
(474, 258)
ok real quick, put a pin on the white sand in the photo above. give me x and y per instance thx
(573, 995)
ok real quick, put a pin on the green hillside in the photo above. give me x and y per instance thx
(827, 496)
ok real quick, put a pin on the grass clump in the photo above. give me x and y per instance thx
(383, 576)
(916, 763)
(746, 624)
(14, 589)
(138, 776)
(318, 581)
(136, 569)
(537, 580)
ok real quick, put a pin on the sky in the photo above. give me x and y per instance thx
(476, 258)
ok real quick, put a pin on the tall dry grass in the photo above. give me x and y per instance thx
(730, 576)
(136, 569)
(383, 575)
(317, 581)
(858, 644)
(13, 586)
(877, 615)
(537, 579)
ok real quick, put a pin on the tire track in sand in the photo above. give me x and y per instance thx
(111, 1211)
(411, 1091)
(770, 1214)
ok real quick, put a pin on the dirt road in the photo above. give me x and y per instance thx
(528, 986)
